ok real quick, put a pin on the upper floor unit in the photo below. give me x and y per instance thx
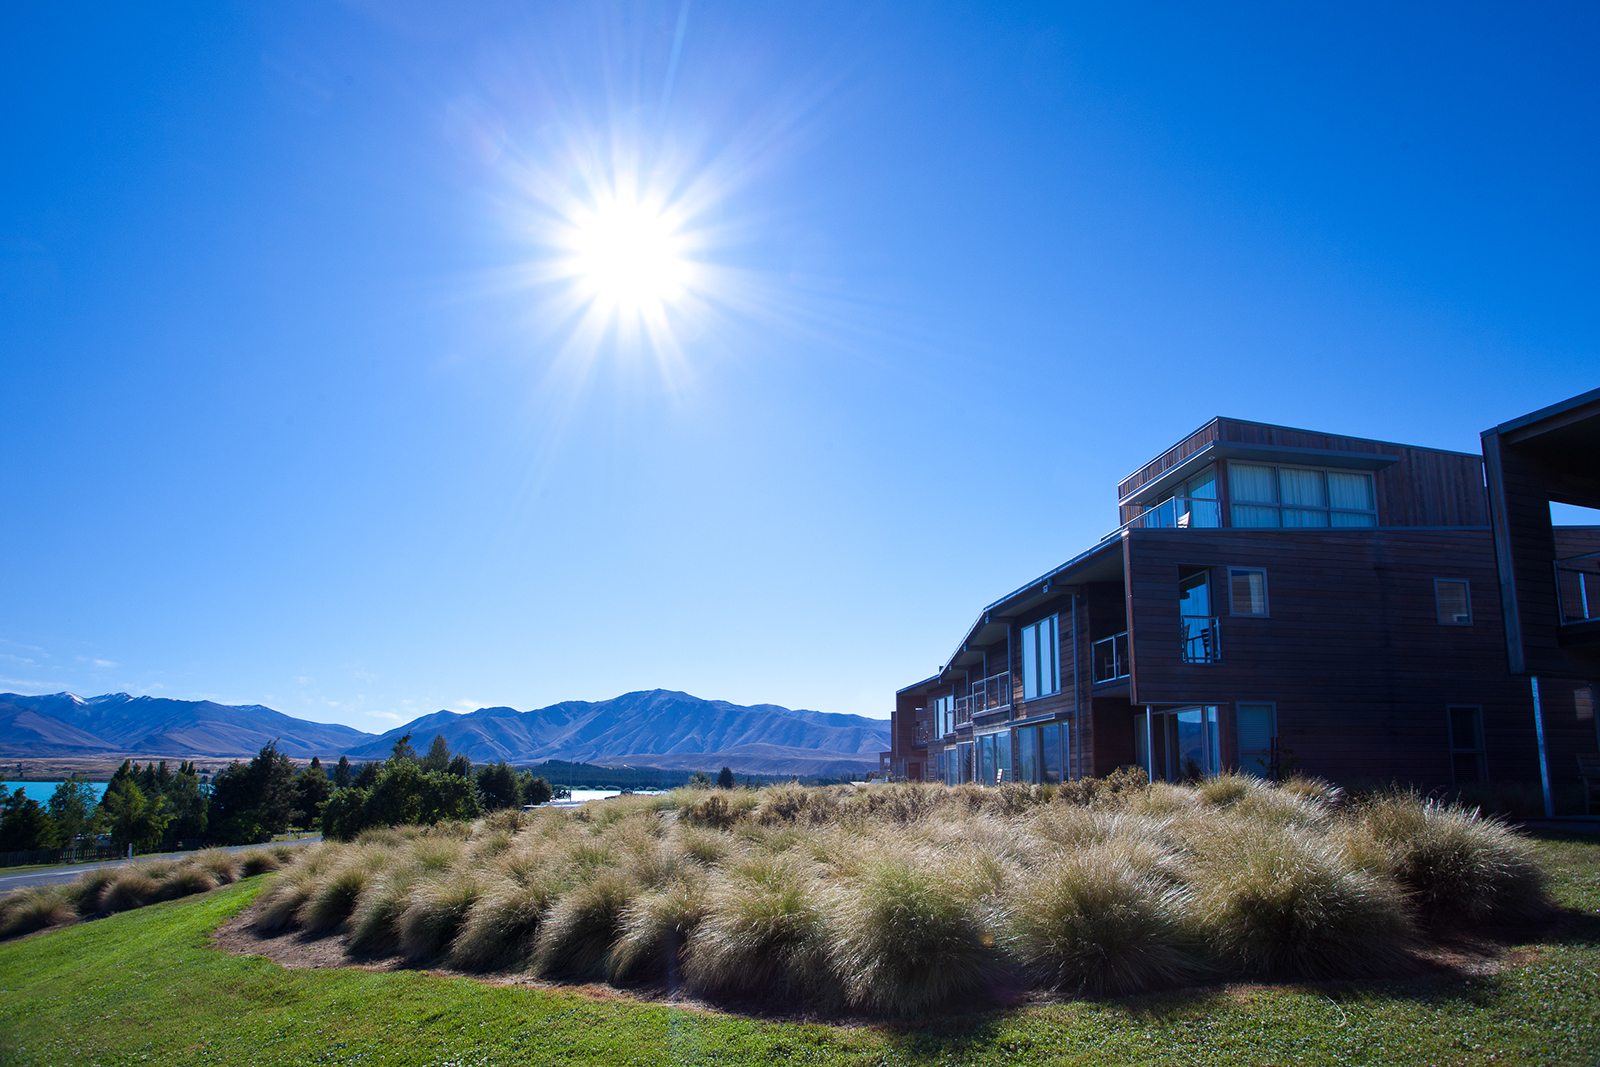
(1232, 473)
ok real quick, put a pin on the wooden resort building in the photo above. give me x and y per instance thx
(1279, 600)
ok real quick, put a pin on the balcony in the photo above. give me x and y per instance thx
(1176, 512)
(1202, 638)
(924, 732)
(984, 696)
(1578, 588)
(1108, 658)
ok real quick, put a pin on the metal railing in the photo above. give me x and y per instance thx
(924, 732)
(1202, 638)
(1108, 658)
(1578, 588)
(983, 696)
(1175, 512)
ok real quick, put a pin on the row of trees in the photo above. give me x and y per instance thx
(153, 808)
(149, 808)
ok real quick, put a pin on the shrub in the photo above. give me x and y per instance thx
(577, 934)
(764, 933)
(433, 915)
(653, 930)
(1096, 920)
(711, 810)
(910, 940)
(1280, 902)
(1453, 863)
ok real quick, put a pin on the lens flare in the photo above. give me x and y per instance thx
(628, 255)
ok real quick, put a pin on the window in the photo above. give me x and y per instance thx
(1028, 755)
(1583, 701)
(1300, 496)
(1466, 745)
(994, 758)
(1041, 659)
(944, 715)
(1201, 642)
(1247, 590)
(1452, 599)
(1256, 727)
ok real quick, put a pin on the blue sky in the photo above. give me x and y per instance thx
(301, 410)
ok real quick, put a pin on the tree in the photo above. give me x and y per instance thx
(73, 809)
(367, 774)
(136, 819)
(403, 749)
(311, 791)
(188, 805)
(342, 773)
(253, 801)
(438, 757)
(497, 786)
(699, 780)
(24, 825)
(535, 790)
(725, 778)
(402, 794)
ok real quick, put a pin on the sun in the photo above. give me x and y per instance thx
(629, 256)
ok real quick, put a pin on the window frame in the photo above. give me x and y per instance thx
(1053, 620)
(1266, 600)
(1438, 605)
(1481, 751)
(1278, 506)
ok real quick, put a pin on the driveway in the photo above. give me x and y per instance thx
(55, 875)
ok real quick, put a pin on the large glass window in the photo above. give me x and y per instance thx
(944, 715)
(1194, 503)
(1052, 766)
(994, 758)
(1255, 726)
(1028, 755)
(1041, 659)
(1265, 496)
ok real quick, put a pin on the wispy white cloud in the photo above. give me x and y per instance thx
(104, 663)
(391, 716)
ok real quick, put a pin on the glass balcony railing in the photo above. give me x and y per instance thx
(1578, 588)
(1108, 658)
(1202, 638)
(983, 696)
(1176, 512)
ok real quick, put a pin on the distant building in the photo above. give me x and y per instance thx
(1278, 599)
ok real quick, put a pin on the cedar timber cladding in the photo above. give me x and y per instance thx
(1353, 655)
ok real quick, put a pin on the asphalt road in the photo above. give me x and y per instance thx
(54, 875)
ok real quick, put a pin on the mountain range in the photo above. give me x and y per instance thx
(651, 728)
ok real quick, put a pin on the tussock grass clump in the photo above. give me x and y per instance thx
(1282, 903)
(223, 866)
(281, 908)
(130, 887)
(334, 898)
(258, 861)
(187, 880)
(501, 925)
(374, 924)
(434, 913)
(655, 929)
(764, 933)
(27, 910)
(1098, 920)
(1455, 864)
(910, 938)
(576, 937)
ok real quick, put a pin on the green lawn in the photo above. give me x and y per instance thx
(143, 987)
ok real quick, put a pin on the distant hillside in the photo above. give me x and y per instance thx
(656, 728)
(118, 724)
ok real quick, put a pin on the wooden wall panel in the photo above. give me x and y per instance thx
(1352, 653)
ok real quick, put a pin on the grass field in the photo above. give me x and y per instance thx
(144, 987)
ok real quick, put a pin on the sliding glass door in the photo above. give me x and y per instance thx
(1179, 744)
